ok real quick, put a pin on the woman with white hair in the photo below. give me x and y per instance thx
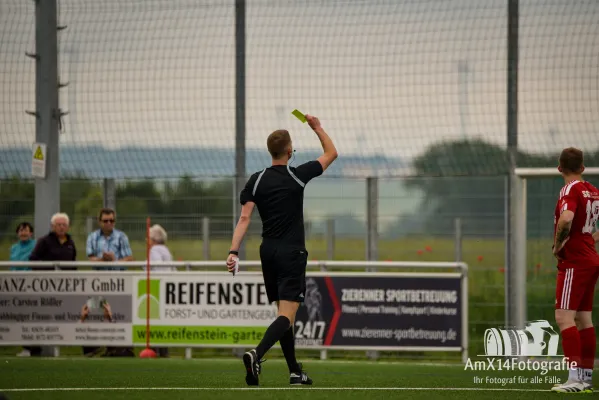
(160, 253)
(158, 250)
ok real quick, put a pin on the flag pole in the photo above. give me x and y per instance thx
(147, 352)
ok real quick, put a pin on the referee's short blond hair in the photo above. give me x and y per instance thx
(278, 142)
(158, 234)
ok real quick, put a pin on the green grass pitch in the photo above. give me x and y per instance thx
(157, 379)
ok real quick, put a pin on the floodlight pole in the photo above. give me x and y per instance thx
(47, 113)
(240, 151)
(48, 117)
(515, 276)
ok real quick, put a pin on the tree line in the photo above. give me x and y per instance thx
(473, 187)
(177, 205)
(463, 179)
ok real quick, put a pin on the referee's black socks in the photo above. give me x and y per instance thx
(287, 342)
(273, 334)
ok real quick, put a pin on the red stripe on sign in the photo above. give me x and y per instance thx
(336, 314)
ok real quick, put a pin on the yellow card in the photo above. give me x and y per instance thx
(299, 115)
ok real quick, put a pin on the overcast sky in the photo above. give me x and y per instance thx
(382, 75)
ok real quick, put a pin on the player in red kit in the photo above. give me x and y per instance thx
(576, 215)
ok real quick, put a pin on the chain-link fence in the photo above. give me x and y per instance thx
(151, 83)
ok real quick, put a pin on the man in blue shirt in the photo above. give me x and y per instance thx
(108, 243)
(21, 250)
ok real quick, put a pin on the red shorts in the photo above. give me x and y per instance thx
(575, 287)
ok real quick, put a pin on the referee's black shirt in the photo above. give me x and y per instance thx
(278, 192)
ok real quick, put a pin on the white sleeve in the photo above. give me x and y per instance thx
(155, 254)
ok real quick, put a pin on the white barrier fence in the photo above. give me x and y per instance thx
(195, 307)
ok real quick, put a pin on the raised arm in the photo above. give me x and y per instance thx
(330, 152)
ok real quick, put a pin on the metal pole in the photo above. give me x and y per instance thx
(73, 55)
(324, 352)
(109, 193)
(47, 190)
(519, 242)
(465, 318)
(463, 72)
(89, 225)
(330, 232)
(458, 240)
(372, 218)
(372, 193)
(188, 350)
(508, 249)
(514, 274)
(206, 237)
(240, 174)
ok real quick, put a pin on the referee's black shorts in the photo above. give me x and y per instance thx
(284, 271)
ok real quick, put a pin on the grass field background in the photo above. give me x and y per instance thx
(157, 379)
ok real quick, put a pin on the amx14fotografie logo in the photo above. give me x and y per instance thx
(515, 349)
(538, 338)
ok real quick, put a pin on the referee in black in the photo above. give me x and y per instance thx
(278, 192)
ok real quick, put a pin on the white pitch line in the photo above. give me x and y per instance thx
(267, 389)
(237, 360)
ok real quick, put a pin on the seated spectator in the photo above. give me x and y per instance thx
(21, 250)
(108, 243)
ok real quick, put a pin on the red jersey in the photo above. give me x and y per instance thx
(582, 199)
